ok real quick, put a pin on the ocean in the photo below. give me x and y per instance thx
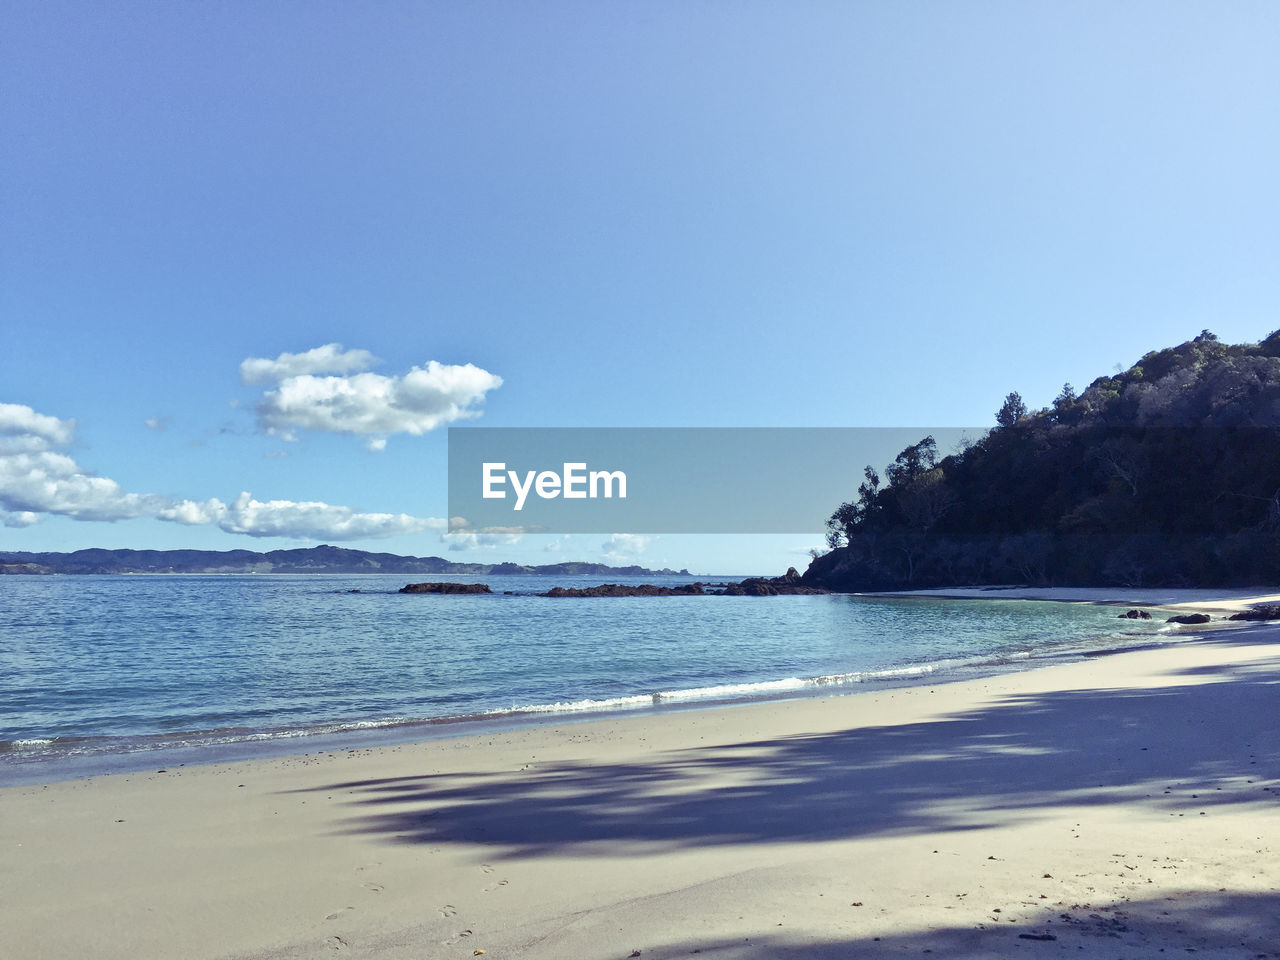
(106, 673)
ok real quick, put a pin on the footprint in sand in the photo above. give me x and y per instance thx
(336, 943)
(448, 910)
(373, 887)
(337, 914)
(458, 939)
(488, 868)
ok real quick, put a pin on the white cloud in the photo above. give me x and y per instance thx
(625, 546)
(330, 358)
(37, 429)
(157, 423)
(48, 482)
(193, 513)
(313, 520)
(489, 538)
(36, 479)
(367, 404)
(23, 518)
(558, 544)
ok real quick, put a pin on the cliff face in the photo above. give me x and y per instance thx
(322, 559)
(1166, 474)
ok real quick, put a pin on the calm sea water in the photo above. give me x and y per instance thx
(120, 666)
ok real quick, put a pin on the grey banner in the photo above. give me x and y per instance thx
(667, 479)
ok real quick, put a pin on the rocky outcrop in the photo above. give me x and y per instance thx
(787, 584)
(624, 590)
(1190, 618)
(445, 587)
(1134, 615)
(1264, 611)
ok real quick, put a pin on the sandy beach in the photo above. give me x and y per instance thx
(1127, 805)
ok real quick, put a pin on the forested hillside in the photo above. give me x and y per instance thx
(1165, 474)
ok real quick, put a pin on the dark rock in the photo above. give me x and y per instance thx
(446, 588)
(1264, 611)
(789, 583)
(623, 590)
(1135, 615)
(751, 587)
(1190, 618)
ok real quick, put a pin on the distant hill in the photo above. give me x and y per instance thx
(1166, 474)
(322, 559)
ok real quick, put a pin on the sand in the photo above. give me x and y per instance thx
(1123, 806)
(1209, 601)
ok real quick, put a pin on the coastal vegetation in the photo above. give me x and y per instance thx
(1164, 474)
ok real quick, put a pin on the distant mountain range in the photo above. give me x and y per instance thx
(322, 559)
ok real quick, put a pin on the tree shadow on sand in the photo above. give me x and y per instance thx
(1173, 747)
(1215, 924)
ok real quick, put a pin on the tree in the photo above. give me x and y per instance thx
(1012, 411)
(924, 500)
(912, 462)
(1064, 403)
(868, 494)
(840, 525)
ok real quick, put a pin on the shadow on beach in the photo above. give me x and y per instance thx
(1219, 924)
(1186, 749)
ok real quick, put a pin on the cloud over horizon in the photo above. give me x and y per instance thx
(36, 480)
(362, 403)
(625, 546)
(472, 539)
(316, 520)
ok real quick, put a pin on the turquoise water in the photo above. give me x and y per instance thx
(123, 665)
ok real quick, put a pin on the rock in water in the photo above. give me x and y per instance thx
(445, 588)
(624, 590)
(1190, 618)
(1264, 611)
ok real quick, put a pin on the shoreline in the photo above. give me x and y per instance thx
(1230, 599)
(119, 755)
(1128, 799)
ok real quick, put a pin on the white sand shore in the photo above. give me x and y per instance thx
(1127, 806)
(1210, 601)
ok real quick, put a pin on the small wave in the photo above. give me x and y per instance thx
(732, 690)
(722, 691)
(578, 706)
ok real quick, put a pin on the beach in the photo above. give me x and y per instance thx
(1125, 805)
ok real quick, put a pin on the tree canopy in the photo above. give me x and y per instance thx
(1167, 473)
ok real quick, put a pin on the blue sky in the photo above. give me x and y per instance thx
(657, 214)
